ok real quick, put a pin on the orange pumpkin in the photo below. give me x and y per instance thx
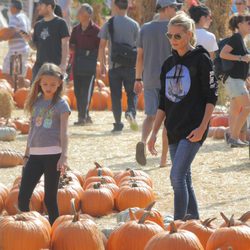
(98, 170)
(241, 221)
(20, 97)
(133, 234)
(102, 179)
(78, 175)
(202, 229)
(98, 201)
(219, 120)
(134, 196)
(22, 125)
(72, 98)
(99, 100)
(140, 103)
(10, 158)
(28, 231)
(29, 71)
(219, 133)
(175, 239)
(234, 237)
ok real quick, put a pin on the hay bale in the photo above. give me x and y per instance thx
(6, 103)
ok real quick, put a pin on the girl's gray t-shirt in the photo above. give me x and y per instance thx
(46, 123)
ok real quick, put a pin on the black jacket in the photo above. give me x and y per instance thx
(187, 85)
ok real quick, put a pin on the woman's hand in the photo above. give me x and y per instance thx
(138, 87)
(62, 164)
(196, 135)
(246, 58)
(151, 144)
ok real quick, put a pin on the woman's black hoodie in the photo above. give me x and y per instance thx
(187, 85)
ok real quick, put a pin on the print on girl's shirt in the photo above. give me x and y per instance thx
(44, 118)
(47, 123)
(178, 83)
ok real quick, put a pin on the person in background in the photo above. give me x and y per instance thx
(153, 49)
(47, 144)
(50, 38)
(187, 4)
(236, 84)
(187, 101)
(84, 43)
(126, 31)
(65, 5)
(201, 15)
(241, 7)
(18, 23)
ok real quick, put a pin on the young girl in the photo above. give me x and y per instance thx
(236, 84)
(187, 100)
(46, 151)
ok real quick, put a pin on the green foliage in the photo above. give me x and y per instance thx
(92, 1)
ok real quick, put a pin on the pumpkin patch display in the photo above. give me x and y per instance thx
(175, 240)
(77, 233)
(10, 158)
(26, 231)
(134, 234)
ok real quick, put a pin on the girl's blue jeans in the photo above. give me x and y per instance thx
(182, 154)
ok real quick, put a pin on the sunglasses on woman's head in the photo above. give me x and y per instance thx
(175, 36)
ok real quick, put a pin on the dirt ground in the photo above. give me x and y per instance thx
(220, 174)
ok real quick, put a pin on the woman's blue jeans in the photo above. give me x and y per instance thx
(182, 154)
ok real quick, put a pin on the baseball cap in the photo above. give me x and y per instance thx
(47, 2)
(17, 4)
(164, 3)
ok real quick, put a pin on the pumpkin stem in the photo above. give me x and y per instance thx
(245, 217)
(150, 206)
(97, 185)
(75, 213)
(131, 214)
(128, 169)
(134, 185)
(224, 217)
(144, 217)
(97, 165)
(132, 173)
(173, 228)
(208, 221)
(103, 181)
(231, 222)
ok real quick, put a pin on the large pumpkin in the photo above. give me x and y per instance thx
(175, 240)
(71, 95)
(202, 229)
(134, 234)
(20, 97)
(99, 100)
(134, 196)
(77, 233)
(7, 133)
(10, 158)
(26, 231)
(234, 237)
(219, 120)
(97, 201)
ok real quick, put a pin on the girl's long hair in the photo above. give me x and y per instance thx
(36, 90)
(183, 20)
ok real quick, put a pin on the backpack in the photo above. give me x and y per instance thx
(222, 67)
(121, 53)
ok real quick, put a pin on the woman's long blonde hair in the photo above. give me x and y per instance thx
(36, 90)
(183, 20)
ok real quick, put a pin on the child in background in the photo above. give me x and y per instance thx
(46, 151)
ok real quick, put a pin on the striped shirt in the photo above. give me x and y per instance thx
(19, 22)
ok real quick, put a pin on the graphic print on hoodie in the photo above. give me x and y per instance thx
(187, 86)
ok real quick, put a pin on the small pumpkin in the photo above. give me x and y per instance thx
(133, 234)
(99, 100)
(22, 125)
(97, 201)
(175, 239)
(219, 133)
(27, 231)
(7, 134)
(20, 97)
(10, 158)
(98, 170)
(134, 196)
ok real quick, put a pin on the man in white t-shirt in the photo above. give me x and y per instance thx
(18, 22)
(202, 16)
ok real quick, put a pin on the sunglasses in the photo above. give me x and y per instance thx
(174, 36)
(239, 3)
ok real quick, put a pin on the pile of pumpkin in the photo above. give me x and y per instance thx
(218, 125)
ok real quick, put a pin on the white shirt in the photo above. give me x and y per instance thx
(206, 39)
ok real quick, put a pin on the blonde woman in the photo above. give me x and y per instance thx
(46, 151)
(187, 98)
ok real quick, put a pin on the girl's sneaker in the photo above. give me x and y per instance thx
(131, 120)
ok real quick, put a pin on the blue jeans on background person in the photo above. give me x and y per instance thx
(182, 155)
(118, 77)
